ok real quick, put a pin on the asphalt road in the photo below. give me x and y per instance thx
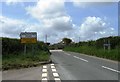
(68, 66)
(74, 66)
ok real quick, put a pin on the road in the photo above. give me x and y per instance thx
(74, 66)
(68, 66)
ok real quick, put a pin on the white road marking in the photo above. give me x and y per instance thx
(52, 64)
(44, 66)
(44, 75)
(53, 67)
(44, 78)
(53, 70)
(67, 54)
(55, 75)
(80, 58)
(56, 78)
(83, 59)
(44, 70)
(111, 69)
(76, 57)
(56, 50)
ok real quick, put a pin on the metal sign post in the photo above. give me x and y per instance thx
(28, 37)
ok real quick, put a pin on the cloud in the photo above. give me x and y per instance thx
(91, 28)
(11, 27)
(94, 0)
(85, 4)
(51, 14)
(56, 23)
(12, 2)
(94, 28)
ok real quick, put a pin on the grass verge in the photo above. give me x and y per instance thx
(90, 50)
(24, 60)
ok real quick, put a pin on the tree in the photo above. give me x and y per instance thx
(66, 41)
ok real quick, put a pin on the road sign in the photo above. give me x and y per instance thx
(28, 37)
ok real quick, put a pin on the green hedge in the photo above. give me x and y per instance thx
(90, 50)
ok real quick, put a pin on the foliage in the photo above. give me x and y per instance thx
(13, 46)
(23, 60)
(66, 41)
(90, 50)
(96, 48)
(13, 54)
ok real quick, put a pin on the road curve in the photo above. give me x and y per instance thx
(75, 66)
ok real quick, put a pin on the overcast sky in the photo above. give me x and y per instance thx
(58, 19)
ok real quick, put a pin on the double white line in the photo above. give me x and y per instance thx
(54, 72)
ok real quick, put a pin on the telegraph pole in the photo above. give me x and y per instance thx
(46, 38)
(79, 39)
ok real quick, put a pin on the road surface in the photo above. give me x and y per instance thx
(68, 66)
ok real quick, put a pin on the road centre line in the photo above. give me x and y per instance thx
(80, 58)
(67, 54)
(83, 59)
(110, 69)
(76, 57)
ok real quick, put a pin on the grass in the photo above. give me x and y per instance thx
(90, 50)
(0, 62)
(23, 60)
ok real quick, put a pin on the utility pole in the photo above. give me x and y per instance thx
(104, 44)
(46, 38)
(79, 39)
(109, 44)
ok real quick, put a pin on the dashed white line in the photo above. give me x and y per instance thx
(56, 78)
(80, 58)
(44, 75)
(44, 66)
(52, 64)
(53, 67)
(67, 54)
(55, 75)
(110, 69)
(53, 70)
(44, 78)
(83, 59)
(76, 57)
(44, 70)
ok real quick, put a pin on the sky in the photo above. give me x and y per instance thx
(59, 19)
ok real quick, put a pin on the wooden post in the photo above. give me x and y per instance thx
(25, 49)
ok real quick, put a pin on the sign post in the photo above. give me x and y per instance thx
(25, 49)
(108, 45)
(28, 37)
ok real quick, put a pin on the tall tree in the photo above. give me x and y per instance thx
(66, 41)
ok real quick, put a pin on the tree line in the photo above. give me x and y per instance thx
(114, 42)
